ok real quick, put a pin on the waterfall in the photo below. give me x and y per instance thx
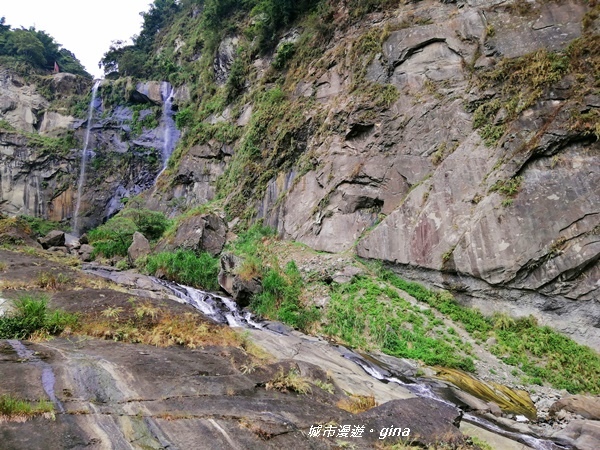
(84, 157)
(171, 134)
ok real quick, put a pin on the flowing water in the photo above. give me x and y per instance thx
(48, 378)
(170, 134)
(224, 310)
(84, 158)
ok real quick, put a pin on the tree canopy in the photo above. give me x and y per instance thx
(37, 49)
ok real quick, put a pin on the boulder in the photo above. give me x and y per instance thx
(59, 249)
(72, 242)
(85, 252)
(585, 406)
(203, 233)
(347, 274)
(581, 434)
(139, 247)
(240, 288)
(429, 421)
(55, 238)
(148, 92)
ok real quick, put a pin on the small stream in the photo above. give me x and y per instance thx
(48, 378)
(224, 310)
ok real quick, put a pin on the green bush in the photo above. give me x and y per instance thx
(152, 224)
(42, 227)
(116, 235)
(31, 314)
(280, 298)
(186, 267)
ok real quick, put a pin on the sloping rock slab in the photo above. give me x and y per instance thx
(430, 422)
(585, 406)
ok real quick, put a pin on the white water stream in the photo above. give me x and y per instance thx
(224, 310)
(84, 158)
(171, 134)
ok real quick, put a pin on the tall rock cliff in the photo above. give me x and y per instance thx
(457, 142)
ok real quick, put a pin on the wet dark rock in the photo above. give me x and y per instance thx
(240, 288)
(430, 421)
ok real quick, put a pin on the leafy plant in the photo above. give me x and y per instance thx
(32, 315)
(185, 267)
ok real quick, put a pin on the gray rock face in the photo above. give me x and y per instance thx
(581, 434)
(20, 104)
(203, 233)
(139, 247)
(413, 187)
(55, 238)
(224, 59)
(584, 406)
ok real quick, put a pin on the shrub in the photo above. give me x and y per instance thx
(31, 315)
(280, 298)
(116, 235)
(291, 381)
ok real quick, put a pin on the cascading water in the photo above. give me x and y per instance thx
(84, 158)
(171, 134)
(226, 311)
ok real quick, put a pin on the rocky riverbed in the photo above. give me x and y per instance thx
(115, 395)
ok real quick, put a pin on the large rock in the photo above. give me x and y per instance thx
(581, 434)
(224, 58)
(139, 248)
(240, 287)
(55, 238)
(203, 233)
(85, 252)
(584, 406)
(439, 424)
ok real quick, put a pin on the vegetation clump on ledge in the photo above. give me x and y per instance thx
(16, 410)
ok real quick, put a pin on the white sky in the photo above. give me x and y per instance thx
(84, 27)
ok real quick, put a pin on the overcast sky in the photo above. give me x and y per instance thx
(84, 27)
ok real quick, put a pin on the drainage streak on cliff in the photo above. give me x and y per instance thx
(84, 158)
